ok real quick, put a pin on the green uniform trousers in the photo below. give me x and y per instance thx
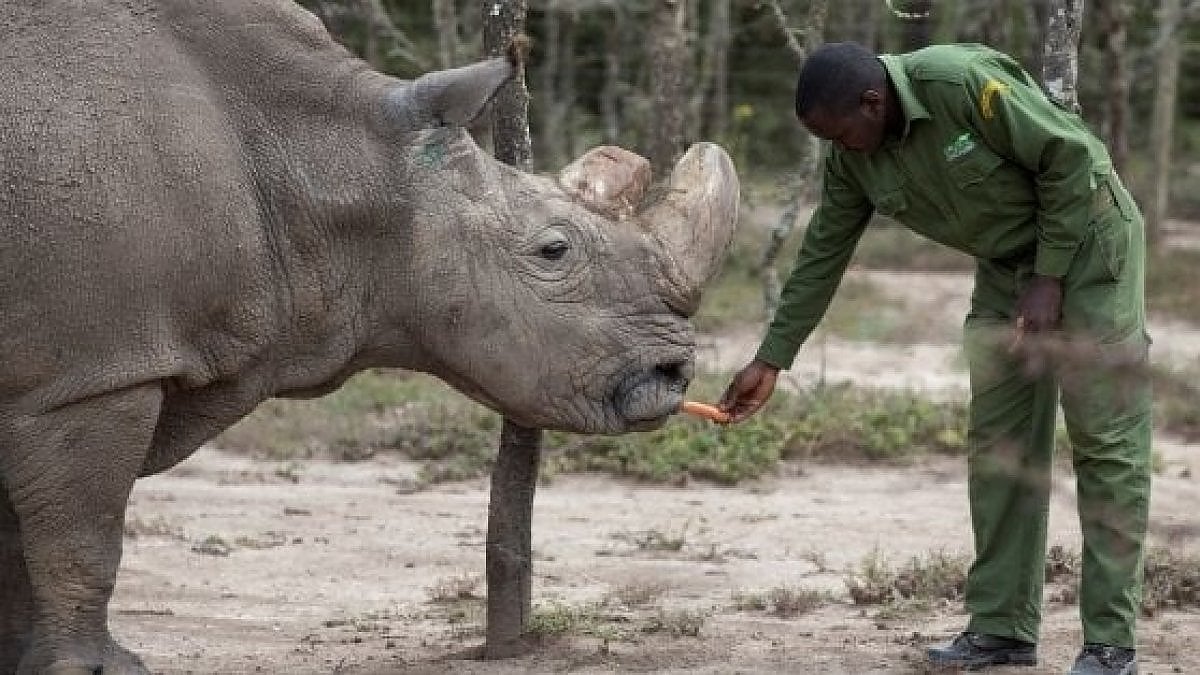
(1104, 384)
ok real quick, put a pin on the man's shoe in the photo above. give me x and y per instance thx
(977, 650)
(1096, 659)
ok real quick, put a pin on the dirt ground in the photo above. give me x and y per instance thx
(240, 566)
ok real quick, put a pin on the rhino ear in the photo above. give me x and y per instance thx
(449, 97)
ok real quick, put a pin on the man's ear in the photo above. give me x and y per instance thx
(871, 104)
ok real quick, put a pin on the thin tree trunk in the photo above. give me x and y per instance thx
(1060, 69)
(668, 55)
(551, 132)
(868, 25)
(806, 177)
(509, 547)
(917, 22)
(1037, 14)
(382, 38)
(445, 20)
(997, 26)
(711, 88)
(1162, 126)
(1114, 25)
(609, 109)
(566, 84)
(503, 21)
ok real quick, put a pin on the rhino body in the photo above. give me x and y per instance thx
(205, 205)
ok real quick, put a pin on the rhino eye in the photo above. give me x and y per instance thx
(553, 250)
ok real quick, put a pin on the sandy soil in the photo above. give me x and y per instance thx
(236, 565)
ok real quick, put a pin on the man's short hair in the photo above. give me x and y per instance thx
(834, 77)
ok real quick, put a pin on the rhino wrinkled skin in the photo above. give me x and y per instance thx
(207, 204)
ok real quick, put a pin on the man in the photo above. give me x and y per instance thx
(959, 144)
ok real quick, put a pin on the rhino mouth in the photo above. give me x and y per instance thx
(646, 397)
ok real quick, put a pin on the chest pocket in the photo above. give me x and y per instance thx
(974, 167)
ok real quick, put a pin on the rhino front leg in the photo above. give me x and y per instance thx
(16, 596)
(68, 473)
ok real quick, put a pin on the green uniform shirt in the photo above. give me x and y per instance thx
(986, 164)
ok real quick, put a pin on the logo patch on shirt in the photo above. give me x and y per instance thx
(960, 146)
(988, 95)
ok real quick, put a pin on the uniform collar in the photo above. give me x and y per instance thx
(910, 106)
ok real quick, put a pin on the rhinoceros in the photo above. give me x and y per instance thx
(207, 204)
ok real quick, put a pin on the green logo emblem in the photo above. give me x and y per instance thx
(959, 146)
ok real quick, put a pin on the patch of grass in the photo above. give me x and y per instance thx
(638, 594)
(455, 589)
(912, 588)
(847, 423)
(376, 409)
(1172, 581)
(783, 601)
(155, 527)
(558, 620)
(653, 540)
(676, 623)
(421, 418)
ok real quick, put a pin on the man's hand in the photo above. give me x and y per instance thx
(749, 390)
(1039, 308)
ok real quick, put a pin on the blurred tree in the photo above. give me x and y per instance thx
(668, 59)
(445, 22)
(1162, 123)
(807, 177)
(1112, 28)
(1061, 66)
(710, 97)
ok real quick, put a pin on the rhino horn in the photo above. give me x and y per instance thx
(694, 222)
(452, 97)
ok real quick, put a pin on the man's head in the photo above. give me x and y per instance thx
(842, 96)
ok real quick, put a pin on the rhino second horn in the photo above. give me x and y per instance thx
(608, 180)
(694, 222)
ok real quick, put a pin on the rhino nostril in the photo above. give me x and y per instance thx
(674, 371)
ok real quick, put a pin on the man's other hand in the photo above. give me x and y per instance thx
(749, 390)
(1039, 308)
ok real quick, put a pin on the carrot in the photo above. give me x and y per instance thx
(709, 412)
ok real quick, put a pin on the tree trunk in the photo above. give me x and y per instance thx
(566, 85)
(550, 101)
(1060, 68)
(1163, 118)
(382, 38)
(609, 108)
(445, 20)
(503, 21)
(997, 26)
(806, 177)
(1114, 25)
(509, 545)
(868, 26)
(917, 22)
(667, 56)
(710, 99)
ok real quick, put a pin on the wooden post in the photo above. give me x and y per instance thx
(509, 540)
(509, 545)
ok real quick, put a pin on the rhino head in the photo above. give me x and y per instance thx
(561, 303)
